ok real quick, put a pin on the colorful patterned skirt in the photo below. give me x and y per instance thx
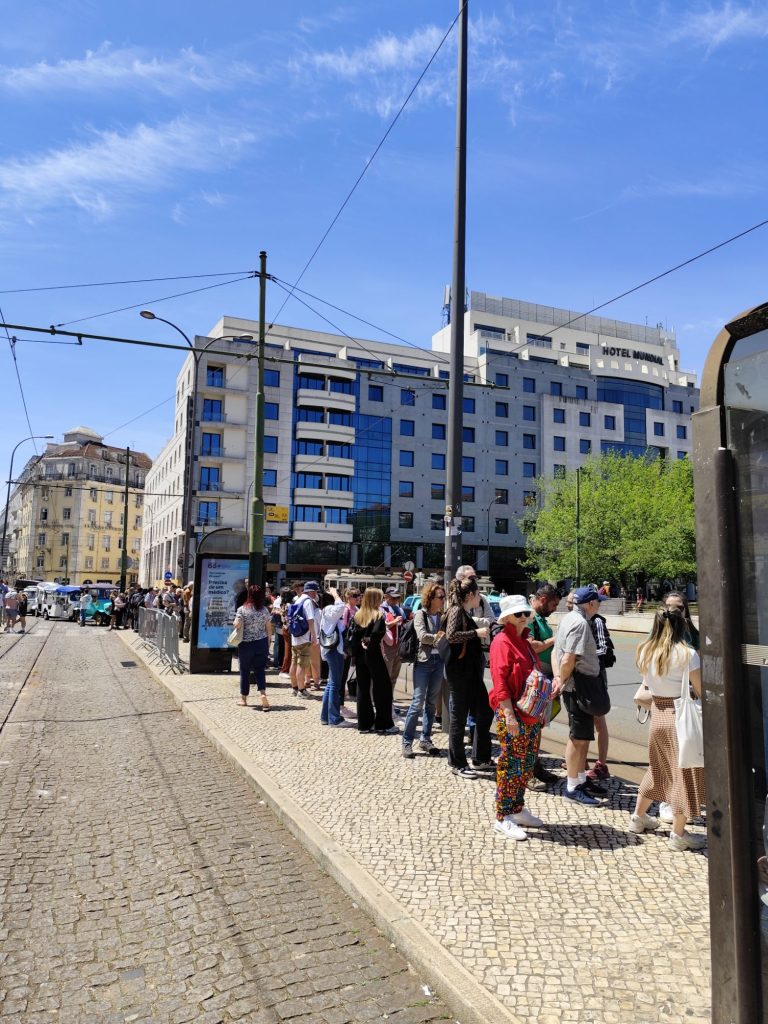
(515, 764)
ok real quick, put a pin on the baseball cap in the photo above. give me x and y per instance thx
(392, 592)
(311, 587)
(586, 594)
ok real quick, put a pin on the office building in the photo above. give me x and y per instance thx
(355, 433)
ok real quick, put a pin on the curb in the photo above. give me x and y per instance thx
(465, 996)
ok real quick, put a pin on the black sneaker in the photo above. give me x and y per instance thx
(594, 789)
(541, 773)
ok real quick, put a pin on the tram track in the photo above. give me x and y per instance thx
(32, 632)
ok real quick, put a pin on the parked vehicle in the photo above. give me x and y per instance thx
(31, 593)
(43, 589)
(100, 610)
(62, 603)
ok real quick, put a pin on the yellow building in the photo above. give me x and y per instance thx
(66, 513)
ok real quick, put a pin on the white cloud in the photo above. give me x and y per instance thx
(108, 68)
(112, 166)
(385, 54)
(715, 26)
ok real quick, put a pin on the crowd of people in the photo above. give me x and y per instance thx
(351, 645)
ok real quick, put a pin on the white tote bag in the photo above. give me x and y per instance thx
(689, 727)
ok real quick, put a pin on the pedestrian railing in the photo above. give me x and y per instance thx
(159, 636)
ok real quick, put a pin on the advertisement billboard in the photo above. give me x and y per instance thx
(222, 579)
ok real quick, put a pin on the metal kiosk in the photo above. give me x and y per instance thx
(731, 486)
(221, 571)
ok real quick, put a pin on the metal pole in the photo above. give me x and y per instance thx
(458, 287)
(124, 559)
(578, 525)
(256, 537)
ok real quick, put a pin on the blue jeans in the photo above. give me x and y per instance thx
(427, 686)
(330, 712)
(252, 655)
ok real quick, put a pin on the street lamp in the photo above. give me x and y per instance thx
(32, 437)
(189, 492)
(496, 499)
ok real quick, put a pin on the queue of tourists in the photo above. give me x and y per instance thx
(345, 647)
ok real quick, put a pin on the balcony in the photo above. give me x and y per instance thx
(209, 523)
(323, 464)
(226, 419)
(324, 432)
(221, 454)
(322, 496)
(322, 531)
(216, 487)
(327, 398)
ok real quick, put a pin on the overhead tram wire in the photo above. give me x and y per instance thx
(12, 346)
(372, 157)
(110, 284)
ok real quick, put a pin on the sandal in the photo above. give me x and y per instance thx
(264, 702)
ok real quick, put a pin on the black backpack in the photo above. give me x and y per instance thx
(409, 642)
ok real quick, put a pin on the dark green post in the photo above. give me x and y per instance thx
(256, 538)
(124, 559)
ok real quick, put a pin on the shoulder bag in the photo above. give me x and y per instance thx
(235, 638)
(533, 702)
(689, 726)
(643, 702)
(591, 694)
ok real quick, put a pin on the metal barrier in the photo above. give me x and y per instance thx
(159, 635)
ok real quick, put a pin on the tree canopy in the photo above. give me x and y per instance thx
(636, 519)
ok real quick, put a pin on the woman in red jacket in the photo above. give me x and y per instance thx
(516, 675)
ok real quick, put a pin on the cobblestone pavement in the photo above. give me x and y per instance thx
(142, 878)
(584, 923)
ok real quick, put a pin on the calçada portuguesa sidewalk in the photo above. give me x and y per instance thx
(583, 924)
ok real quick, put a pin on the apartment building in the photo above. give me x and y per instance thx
(355, 433)
(66, 513)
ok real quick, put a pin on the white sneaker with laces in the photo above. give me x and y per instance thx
(665, 813)
(640, 823)
(510, 830)
(687, 841)
(526, 819)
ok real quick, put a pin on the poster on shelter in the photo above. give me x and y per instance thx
(221, 581)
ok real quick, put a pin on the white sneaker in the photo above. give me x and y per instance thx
(526, 819)
(349, 715)
(665, 813)
(639, 823)
(510, 830)
(687, 841)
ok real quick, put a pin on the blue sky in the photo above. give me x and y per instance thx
(607, 142)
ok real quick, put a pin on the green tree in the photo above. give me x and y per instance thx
(635, 519)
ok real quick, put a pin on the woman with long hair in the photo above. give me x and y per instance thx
(374, 689)
(676, 601)
(253, 649)
(664, 658)
(428, 670)
(464, 670)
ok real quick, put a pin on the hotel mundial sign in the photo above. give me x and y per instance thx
(631, 353)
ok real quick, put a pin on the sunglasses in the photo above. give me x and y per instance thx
(520, 615)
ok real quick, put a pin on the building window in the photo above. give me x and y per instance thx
(405, 520)
(558, 443)
(502, 379)
(309, 448)
(137, 523)
(407, 428)
(438, 431)
(310, 415)
(312, 481)
(581, 390)
(502, 467)
(341, 387)
(71, 469)
(92, 494)
(658, 430)
(501, 525)
(92, 516)
(529, 385)
(677, 406)
(271, 410)
(334, 450)
(529, 470)
(45, 493)
(502, 410)
(67, 492)
(106, 542)
(406, 458)
(407, 396)
(467, 464)
(438, 402)
(212, 410)
(502, 438)
(40, 561)
(585, 419)
(558, 415)
(438, 461)
(438, 492)
(270, 444)
(467, 493)
(210, 478)
(66, 513)
(375, 393)
(214, 377)
(405, 489)
(336, 482)
(555, 388)
(339, 516)
(529, 497)
(468, 435)
(210, 444)
(682, 433)
(468, 405)
(43, 515)
(468, 524)
(41, 540)
(105, 563)
(207, 512)
(559, 470)
(502, 496)
(88, 562)
(529, 441)
(310, 382)
(585, 446)
(682, 455)
(109, 496)
(307, 513)
(270, 478)
(610, 422)
(340, 419)
(271, 378)
(436, 521)
(529, 413)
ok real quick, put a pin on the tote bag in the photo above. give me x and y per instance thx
(689, 727)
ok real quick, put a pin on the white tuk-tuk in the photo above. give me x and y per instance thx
(62, 603)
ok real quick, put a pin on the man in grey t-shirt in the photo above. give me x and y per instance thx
(575, 651)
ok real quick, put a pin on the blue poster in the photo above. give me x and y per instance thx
(221, 581)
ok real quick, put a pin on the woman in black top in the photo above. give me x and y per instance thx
(374, 689)
(465, 670)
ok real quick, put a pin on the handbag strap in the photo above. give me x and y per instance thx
(686, 682)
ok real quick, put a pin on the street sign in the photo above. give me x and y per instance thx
(276, 513)
(409, 566)
(407, 576)
(167, 575)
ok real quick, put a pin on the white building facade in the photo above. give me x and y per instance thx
(355, 433)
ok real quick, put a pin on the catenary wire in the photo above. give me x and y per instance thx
(109, 284)
(373, 156)
(12, 346)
